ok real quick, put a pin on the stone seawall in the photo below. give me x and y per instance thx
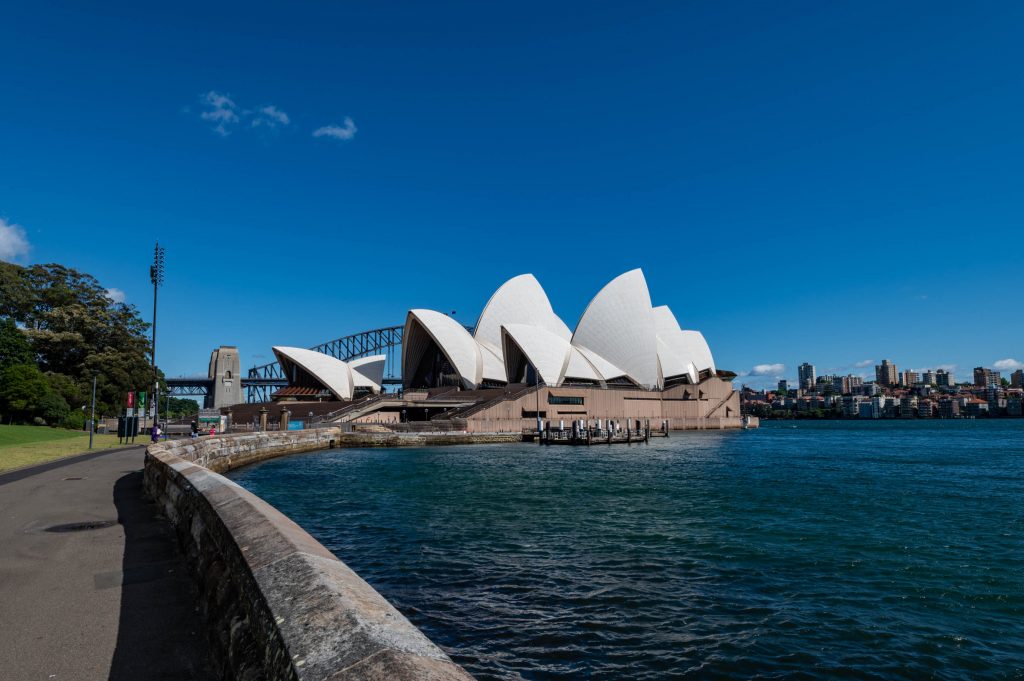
(278, 605)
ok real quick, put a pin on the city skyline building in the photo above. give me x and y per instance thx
(805, 376)
(986, 378)
(887, 374)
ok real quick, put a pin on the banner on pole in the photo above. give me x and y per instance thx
(131, 399)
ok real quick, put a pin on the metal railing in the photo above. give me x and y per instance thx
(720, 404)
(353, 406)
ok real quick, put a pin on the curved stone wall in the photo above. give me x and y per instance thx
(278, 604)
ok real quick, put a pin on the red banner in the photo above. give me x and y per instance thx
(131, 399)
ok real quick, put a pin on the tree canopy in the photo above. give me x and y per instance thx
(62, 323)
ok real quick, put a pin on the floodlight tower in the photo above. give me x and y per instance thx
(156, 275)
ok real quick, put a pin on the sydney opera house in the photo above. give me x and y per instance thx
(621, 340)
(625, 359)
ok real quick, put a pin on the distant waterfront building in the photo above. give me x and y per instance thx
(1015, 406)
(976, 407)
(805, 376)
(846, 385)
(926, 409)
(886, 374)
(908, 407)
(1017, 379)
(949, 409)
(911, 378)
(872, 409)
(986, 378)
(928, 377)
(783, 386)
(849, 405)
(944, 379)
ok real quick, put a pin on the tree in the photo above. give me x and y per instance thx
(67, 387)
(75, 332)
(15, 294)
(53, 408)
(22, 389)
(182, 407)
(14, 346)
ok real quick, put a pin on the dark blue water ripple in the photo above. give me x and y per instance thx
(890, 550)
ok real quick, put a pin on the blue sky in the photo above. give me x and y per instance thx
(824, 182)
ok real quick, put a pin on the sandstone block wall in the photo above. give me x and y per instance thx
(278, 605)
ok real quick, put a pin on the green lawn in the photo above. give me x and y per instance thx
(26, 445)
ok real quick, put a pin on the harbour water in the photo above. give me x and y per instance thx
(811, 550)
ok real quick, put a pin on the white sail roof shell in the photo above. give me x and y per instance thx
(696, 347)
(618, 326)
(674, 353)
(368, 372)
(455, 342)
(579, 367)
(520, 300)
(493, 368)
(334, 374)
(605, 369)
(673, 364)
(665, 322)
(546, 351)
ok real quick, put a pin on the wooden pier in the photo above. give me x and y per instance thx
(585, 437)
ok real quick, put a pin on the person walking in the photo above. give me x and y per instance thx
(213, 430)
(154, 433)
(195, 430)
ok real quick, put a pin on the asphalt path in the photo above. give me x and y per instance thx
(111, 601)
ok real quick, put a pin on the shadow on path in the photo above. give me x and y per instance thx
(160, 634)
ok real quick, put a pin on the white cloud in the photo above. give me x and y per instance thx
(13, 242)
(768, 369)
(339, 132)
(226, 115)
(116, 295)
(221, 110)
(864, 363)
(269, 116)
(1008, 365)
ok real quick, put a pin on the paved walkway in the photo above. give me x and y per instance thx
(115, 602)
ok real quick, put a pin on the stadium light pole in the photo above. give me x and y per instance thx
(156, 275)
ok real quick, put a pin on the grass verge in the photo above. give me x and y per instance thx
(27, 445)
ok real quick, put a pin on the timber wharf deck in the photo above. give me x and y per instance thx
(591, 436)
